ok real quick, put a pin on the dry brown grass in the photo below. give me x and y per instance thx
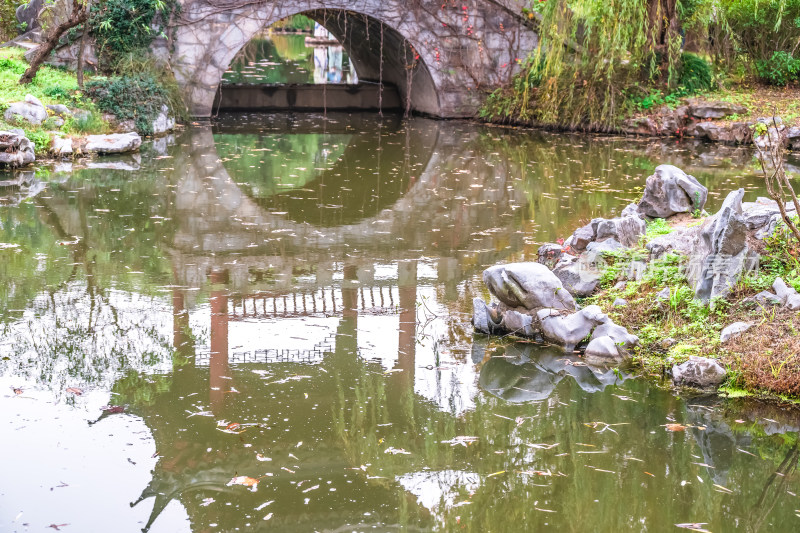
(766, 358)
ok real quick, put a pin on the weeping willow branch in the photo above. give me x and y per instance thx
(590, 52)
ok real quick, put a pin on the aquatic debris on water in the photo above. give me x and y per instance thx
(463, 440)
(396, 451)
(245, 481)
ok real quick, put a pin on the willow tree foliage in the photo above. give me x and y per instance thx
(590, 52)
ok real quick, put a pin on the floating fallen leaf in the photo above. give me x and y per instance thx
(694, 526)
(720, 488)
(207, 501)
(269, 515)
(75, 390)
(542, 446)
(496, 473)
(113, 409)
(536, 472)
(245, 481)
(17, 390)
(396, 451)
(649, 474)
(675, 427)
(463, 440)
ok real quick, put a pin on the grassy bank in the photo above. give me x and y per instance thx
(763, 360)
(130, 100)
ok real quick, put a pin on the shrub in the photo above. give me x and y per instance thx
(8, 19)
(779, 69)
(761, 27)
(138, 98)
(127, 26)
(695, 73)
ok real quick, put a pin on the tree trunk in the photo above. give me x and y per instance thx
(79, 15)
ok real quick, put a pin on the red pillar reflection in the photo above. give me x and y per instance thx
(407, 335)
(350, 293)
(218, 365)
(182, 340)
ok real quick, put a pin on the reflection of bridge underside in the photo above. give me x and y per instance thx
(273, 267)
(221, 228)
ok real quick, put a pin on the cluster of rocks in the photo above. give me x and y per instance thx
(700, 119)
(19, 151)
(536, 300)
(534, 304)
(16, 150)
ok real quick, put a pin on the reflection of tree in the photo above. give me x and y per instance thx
(773, 491)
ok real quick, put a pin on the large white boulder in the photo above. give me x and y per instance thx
(115, 143)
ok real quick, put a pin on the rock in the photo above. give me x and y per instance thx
(698, 372)
(16, 150)
(793, 137)
(670, 191)
(732, 133)
(568, 331)
(766, 298)
(782, 290)
(578, 275)
(528, 285)
(681, 240)
(603, 348)
(770, 139)
(28, 14)
(641, 126)
(480, 317)
(627, 230)
(668, 343)
(663, 294)
(734, 330)
(620, 302)
(715, 109)
(31, 110)
(60, 110)
(620, 285)
(516, 323)
(549, 254)
(598, 248)
(722, 252)
(582, 237)
(788, 296)
(624, 340)
(62, 146)
(631, 210)
(114, 143)
(163, 123)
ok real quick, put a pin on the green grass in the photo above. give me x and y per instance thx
(51, 86)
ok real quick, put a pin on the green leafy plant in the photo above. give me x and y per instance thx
(695, 73)
(139, 98)
(128, 26)
(779, 69)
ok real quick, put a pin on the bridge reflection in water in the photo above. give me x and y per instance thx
(317, 340)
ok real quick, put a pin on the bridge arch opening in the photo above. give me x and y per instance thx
(391, 72)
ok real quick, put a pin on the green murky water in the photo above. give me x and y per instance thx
(279, 306)
(286, 58)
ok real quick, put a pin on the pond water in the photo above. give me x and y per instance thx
(264, 324)
(288, 59)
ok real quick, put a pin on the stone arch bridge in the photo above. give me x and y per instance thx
(442, 55)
